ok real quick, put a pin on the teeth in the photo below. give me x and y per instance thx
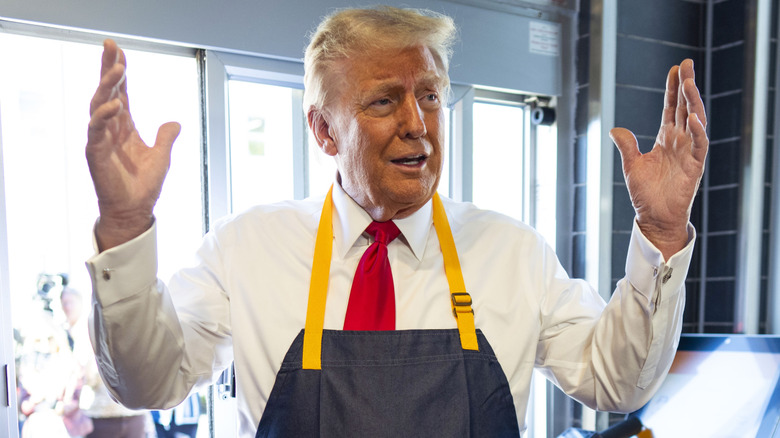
(410, 161)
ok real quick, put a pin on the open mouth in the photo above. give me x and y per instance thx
(411, 161)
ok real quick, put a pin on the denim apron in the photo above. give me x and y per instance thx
(404, 383)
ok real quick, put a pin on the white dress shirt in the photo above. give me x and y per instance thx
(244, 299)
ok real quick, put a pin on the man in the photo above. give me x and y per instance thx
(375, 83)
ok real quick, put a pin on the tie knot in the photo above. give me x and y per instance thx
(383, 232)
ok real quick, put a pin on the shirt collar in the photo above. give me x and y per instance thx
(350, 220)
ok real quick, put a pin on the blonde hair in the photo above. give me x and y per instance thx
(350, 31)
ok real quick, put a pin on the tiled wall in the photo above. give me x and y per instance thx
(651, 37)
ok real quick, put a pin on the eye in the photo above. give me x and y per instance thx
(382, 102)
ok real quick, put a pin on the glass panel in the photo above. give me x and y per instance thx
(499, 164)
(261, 143)
(50, 201)
(546, 193)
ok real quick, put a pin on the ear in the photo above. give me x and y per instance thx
(320, 127)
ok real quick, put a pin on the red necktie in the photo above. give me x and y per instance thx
(372, 299)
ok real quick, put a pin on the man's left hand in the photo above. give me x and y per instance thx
(663, 182)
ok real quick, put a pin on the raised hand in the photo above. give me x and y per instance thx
(128, 175)
(663, 182)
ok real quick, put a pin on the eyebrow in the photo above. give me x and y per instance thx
(426, 80)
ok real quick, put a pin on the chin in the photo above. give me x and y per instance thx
(413, 195)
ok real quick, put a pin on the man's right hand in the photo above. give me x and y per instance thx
(128, 175)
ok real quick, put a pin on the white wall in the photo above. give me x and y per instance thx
(493, 48)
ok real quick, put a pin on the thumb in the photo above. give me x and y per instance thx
(627, 145)
(166, 135)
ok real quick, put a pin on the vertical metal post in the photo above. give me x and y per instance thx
(600, 159)
(754, 138)
(705, 185)
(8, 408)
(773, 311)
(601, 118)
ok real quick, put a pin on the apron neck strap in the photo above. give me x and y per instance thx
(318, 287)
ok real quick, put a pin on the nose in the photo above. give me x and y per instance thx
(412, 119)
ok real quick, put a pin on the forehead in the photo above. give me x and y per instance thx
(387, 67)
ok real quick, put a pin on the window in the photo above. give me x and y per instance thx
(261, 143)
(50, 202)
(500, 158)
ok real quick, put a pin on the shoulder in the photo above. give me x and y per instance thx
(299, 217)
(467, 217)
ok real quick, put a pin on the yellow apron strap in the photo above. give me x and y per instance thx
(318, 288)
(460, 299)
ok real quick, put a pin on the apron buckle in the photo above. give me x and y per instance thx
(461, 303)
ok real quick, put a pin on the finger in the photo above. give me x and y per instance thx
(110, 53)
(685, 72)
(122, 85)
(107, 89)
(670, 97)
(101, 118)
(694, 101)
(166, 135)
(627, 145)
(699, 136)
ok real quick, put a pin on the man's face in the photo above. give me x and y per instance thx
(385, 121)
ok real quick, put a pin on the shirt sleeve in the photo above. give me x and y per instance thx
(153, 348)
(613, 356)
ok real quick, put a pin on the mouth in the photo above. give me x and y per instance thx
(412, 161)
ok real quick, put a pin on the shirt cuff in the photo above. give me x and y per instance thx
(646, 267)
(124, 270)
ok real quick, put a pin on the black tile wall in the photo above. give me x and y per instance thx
(650, 61)
(580, 202)
(617, 168)
(719, 305)
(763, 313)
(691, 311)
(622, 209)
(765, 254)
(721, 251)
(670, 20)
(694, 272)
(724, 163)
(767, 203)
(696, 217)
(578, 256)
(770, 118)
(719, 328)
(729, 64)
(770, 146)
(726, 117)
(583, 19)
(580, 159)
(729, 18)
(583, 53)
(639, 111)
(581, 114)
(619, 252)
(723, 208)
